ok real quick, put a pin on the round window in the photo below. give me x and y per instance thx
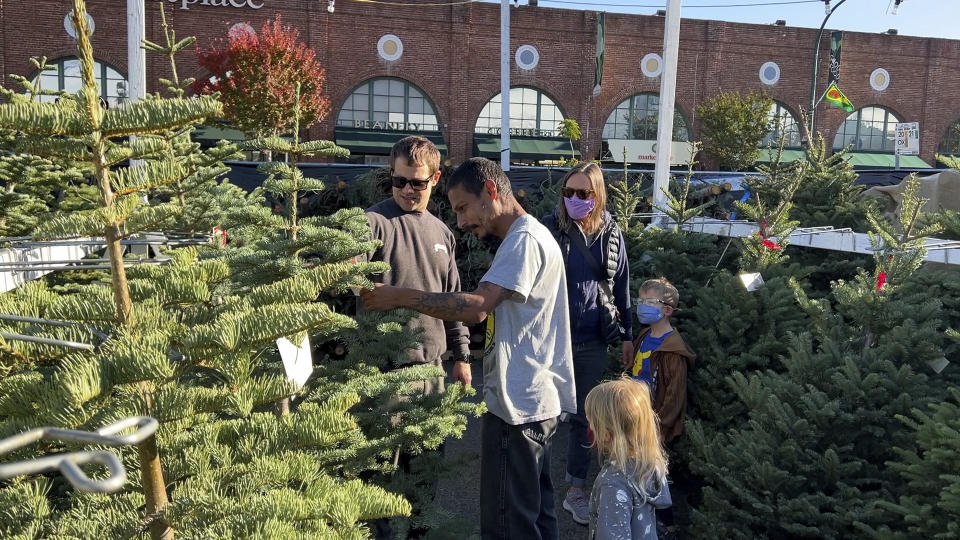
(527, 57)
(241, 28)
(651, 65)
(880, 79)
(769, 73)
(68, 24)
(390, 47)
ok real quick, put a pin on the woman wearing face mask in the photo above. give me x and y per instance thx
(598, 290)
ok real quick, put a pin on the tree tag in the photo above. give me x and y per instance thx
(297, 361)
(938, 364)
(751, 281)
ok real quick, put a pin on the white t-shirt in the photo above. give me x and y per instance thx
(528, 376)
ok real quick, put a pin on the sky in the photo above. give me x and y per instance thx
(925, 18)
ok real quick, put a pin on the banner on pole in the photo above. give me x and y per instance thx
(836, 40)
(601, 39)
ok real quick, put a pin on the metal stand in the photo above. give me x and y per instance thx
(69, 463)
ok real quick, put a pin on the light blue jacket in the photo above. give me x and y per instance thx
(620, 511)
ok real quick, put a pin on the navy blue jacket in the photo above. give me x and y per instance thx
(582, 287)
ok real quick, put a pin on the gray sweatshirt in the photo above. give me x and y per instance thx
(421, 251)
(619, 511)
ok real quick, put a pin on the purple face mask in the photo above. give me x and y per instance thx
(577, 207)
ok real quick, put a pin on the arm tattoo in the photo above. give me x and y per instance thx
(460, 306)
(446, 306)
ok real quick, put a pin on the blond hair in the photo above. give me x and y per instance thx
(626, 431)
(664, 289)
(594, 219)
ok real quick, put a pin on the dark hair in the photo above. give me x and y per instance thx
(418, 151)
(474, 172)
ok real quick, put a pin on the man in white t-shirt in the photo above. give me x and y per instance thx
(528, 377)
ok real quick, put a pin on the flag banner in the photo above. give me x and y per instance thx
(836, 40)
(836, 97)
(598, 69)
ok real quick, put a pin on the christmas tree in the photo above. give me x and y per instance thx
(188, 343)
(810, 459)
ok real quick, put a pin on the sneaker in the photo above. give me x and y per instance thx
(667, 533)
(577, 505)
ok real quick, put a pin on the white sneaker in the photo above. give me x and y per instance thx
(578, 506)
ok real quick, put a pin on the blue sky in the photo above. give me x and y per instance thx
(926, 18)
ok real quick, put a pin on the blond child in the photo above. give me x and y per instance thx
(633, 480)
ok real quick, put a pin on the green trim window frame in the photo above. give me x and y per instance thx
(532, 113)
(950, 143)
(782, 121)
(637, 118)
(388, 103)
(67, 77)
(869, 129)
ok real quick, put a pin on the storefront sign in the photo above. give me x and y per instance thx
(396, 126)
(185, 4)
(643, 151)
(521, 132)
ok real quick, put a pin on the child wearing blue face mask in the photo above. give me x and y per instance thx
(662, 360)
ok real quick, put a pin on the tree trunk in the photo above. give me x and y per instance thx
(154, 488)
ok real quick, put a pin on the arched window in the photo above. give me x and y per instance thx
(637, 116)
(388, 103)
(532, 113)
(66, 76)
(950, 144)
(782, 121)
(868, 129)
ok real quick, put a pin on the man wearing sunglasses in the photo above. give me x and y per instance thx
(421, 251)
(528, 377)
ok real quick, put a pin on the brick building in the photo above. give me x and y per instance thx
(393, 70)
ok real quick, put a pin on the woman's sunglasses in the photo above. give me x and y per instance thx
(418, 185)
(582, 194)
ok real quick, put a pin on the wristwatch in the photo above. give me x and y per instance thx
(465, 359)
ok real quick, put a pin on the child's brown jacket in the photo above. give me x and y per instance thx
(669, 365)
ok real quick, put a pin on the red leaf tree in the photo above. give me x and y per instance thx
(255, 75)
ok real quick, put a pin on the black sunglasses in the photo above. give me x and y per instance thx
(583, 194)
(418, 185)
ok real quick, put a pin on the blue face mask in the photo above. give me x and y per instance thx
(649, 314)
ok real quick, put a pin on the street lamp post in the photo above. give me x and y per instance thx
(816, 60)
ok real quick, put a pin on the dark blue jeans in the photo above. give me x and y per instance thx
(589, 363)
(516, 494)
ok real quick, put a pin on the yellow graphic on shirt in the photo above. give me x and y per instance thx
(642, 357)
(488, 336)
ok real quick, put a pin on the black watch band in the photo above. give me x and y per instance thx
(465, 359)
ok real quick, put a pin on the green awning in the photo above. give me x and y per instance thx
(222, 132)
(216, 133)
(524, 148)
(788, 156)
(866, 160)
(367, 141)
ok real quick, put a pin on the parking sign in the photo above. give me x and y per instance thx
(908, 138)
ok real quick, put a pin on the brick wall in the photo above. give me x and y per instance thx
(453, 54)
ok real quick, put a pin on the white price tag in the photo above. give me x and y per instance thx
(938, 364)
(751, 281)
(297, 361)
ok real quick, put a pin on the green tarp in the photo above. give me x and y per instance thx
(525, 148)
(766, 155)
(885, 161)
(366, 141)
(860, 160)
